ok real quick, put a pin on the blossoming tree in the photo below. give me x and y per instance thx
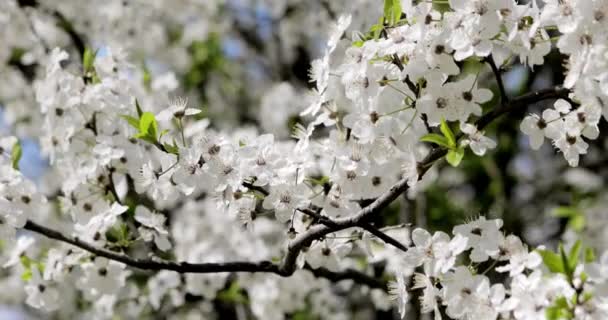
(305, 159)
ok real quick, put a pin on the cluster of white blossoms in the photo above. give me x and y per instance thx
(142, 181)
(581, 24)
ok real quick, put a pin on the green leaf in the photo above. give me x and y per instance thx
(388, 7)
(376, 29)
(134, 122)
(174, 149)
(146, 138)
(88, 58)
(27, 275)
(233, 294)
(436, 139)
(118, 235)
(16, 155)
(27, 267)
(358, 43)
(577, 223)
(561, 302)
(25, 261)
(146, 77)
(454, 156)
(447, 132)
(574, 254)
(559, 310)
(162, 133)
(303, 314)
(576, 219)
(589, 255)
(148, 127)
(552, 260)
(319, 181)
(138, 108)
(392, 11)
(565, 262)
(565, 212)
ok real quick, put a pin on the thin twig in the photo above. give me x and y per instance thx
(363, 225)
(501, 87)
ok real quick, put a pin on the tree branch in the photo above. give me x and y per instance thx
(383, 236)
(348, 274)
(501, 87)
(521, 102)
(185, 267)
(68, 28)
(363, 225)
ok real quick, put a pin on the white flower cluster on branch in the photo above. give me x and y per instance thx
(150, 206)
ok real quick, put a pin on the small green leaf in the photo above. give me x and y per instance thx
(138, 108)
(27, 275)
(565, 262)
(16, 155)
(559, 310)
(447, 132)
(454, 156)
(436, 139)
(304, 314)
(27, 266)
(319, 181)
(146, 138)
(25, 261)
(565, 212)
(577, 223)
(174, 149)
(88, 58)
(146, 77)
(552, 260)
(162, 133)
(148, 126)
(388, 7)
(134, 122)
(358, 43)
(233, 294)
(561, 302)
(119, 235)
(376, 29)
(589, 255)
(574, 254)
(392, 11)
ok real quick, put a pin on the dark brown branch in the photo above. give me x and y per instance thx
(501, 86)
(68, 28)
(522, 102)
(182, 267)
(185, 267)
(383, 236)
(253, 187)
(348, 274)
(320, 218)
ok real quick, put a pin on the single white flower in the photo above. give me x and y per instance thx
(177, 109)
